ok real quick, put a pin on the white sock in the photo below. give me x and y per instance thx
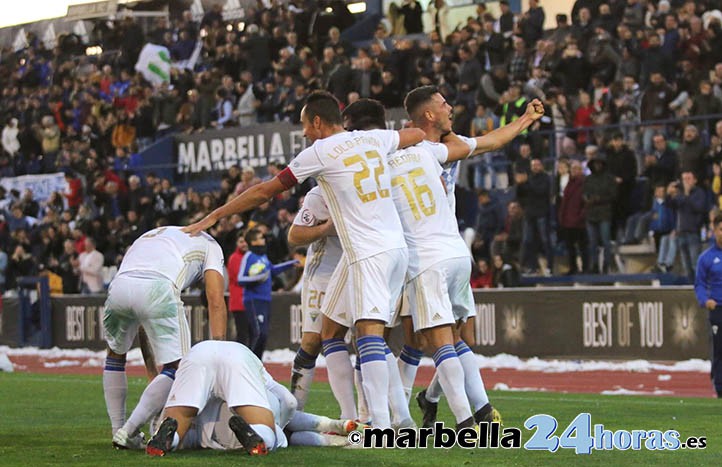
(311, 438)
(398, 403)
(340, 376)
(408, 363)
(115, 389)
(268, 434)
(151, 401)
(451, 379)
(473, 383)
(358, 379)
(434, 391)
(375, 371)
(304, 366)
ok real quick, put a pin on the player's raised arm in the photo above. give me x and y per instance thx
(410, 136)
(249, 199)
(502, 136)
(302, 235)
(217, 315)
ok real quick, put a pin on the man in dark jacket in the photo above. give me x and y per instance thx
(600, 191)
(660, 167)
(690, 202)
(571, 218)
(622, 165)
(692, 153)
(534, 194)
(489, 220)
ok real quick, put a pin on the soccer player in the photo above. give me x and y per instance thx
(439, 260)
(429, 111)
(216, 376)
(351, 169)
(313, 226)
(146, 292)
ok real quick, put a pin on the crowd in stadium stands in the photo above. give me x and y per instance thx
(603, 71)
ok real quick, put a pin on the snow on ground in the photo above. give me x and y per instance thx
(286, 356)
(629, 392)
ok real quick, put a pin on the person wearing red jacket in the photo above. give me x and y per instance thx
(235, 291)
(572, 225)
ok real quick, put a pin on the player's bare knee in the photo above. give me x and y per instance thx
(333, 330)
(369, 327)
(311, 343)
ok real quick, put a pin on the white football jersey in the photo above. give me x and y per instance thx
(324, 254)
(451, 171)
(429, 224)
(178, 256)
(351, 169)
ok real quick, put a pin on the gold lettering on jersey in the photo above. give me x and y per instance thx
(404, 158)
(351, 144)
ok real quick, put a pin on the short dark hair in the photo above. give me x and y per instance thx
(324, 105)
(252, 234)
(365, 114)
(418, 97)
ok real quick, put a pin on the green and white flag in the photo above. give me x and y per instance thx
(154, 64)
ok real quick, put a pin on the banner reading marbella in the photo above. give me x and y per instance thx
(216, 150)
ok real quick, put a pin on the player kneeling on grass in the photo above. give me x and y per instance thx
(215, 376)
(146, 292)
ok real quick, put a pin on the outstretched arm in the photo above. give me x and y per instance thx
(249, 199)
(502, 136)
(410, 136)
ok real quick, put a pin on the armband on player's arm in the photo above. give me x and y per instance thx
(287, 179)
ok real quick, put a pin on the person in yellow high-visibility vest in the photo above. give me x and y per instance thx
(512, 105)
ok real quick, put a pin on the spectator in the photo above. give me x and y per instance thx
(533, 193)
(255, 275)
(67, 268)
(482, 277)
(507, 243)
(655, 106)
(599, 194)
(691, 154)
(622, 165)
(10, 142)
(660, 221)
(660, 167)
(412, 11)
(90, 265)
(689, 201)
(506, 274)
(235, 291)
(572, 221)
(489, 221)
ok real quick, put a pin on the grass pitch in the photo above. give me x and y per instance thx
(61, 420)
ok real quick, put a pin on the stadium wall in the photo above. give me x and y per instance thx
(588, 323)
